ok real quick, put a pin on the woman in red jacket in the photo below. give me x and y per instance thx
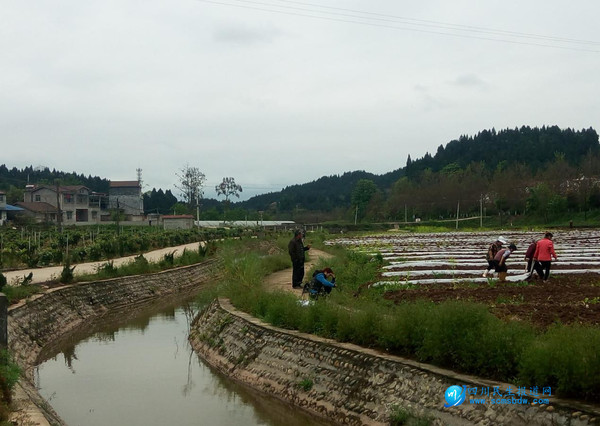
(544, 252)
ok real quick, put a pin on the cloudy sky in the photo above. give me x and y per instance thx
(276, 92)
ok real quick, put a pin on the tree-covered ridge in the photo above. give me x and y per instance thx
(537, 171)
(534, 147)
(325, 194)
(13, 181)
(465, 168)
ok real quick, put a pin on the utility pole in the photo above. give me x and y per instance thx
(58, 209)
(139, 177)
(457, 213)
(481, 211)
(356, 214)
(118, 216)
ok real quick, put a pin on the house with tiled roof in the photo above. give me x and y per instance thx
(76, 203)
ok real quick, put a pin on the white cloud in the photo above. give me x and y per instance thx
(104, 88)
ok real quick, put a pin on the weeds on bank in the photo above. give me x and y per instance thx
(403, 417)
(140, 265)
(9, 375)
(459, 335)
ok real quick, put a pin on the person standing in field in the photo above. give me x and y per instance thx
(500, 261)
(544, 252)
(296, 249)
(491, 254)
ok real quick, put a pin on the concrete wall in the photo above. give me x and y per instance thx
(350, 384)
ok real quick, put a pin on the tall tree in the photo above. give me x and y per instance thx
(228, 188)
(191, 184)
(364, 190)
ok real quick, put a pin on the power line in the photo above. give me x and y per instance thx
(446, 25)
(415, 24)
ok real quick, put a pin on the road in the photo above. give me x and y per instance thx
(41, 275)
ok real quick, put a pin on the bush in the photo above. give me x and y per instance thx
(107, 270)
(66, 276)
(9, 375)
(566, 358)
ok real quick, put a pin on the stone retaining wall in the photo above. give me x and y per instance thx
(45, 318)
(352, 385)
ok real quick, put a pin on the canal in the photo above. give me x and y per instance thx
(137, 368)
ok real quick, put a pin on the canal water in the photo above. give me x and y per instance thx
(137, 368)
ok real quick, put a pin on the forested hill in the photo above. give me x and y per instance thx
(532, 147)
(325, 194)
(18, 178)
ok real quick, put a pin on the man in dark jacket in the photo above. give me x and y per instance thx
(296, 248)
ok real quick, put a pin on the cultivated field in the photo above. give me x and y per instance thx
(442, 266)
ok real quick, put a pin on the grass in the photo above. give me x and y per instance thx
(459, 335)
(400, 416)
(140, 265)
(9, 375)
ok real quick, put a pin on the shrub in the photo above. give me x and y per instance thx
(466, 336)
(9, 375)
(107, 270)
(566, 358)
(66, 275)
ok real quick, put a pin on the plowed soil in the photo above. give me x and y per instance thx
(566, 299)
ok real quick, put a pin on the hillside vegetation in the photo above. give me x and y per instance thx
(539, 173)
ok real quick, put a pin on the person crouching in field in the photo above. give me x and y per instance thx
(500, 261)
(544, 252)
(532, 265)
(491, 254)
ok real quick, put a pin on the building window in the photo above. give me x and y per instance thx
(38, 198)
(68, 198)
(69, 215)
(1, 198)
(94, 214)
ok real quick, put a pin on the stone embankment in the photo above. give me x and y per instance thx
(351, 385)
(45, 318)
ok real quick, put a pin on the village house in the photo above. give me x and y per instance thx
(6, 210)
(76, 203)
(126, 196)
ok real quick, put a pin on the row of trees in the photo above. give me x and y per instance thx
(556, 188)
(191, 184)
(539, 171)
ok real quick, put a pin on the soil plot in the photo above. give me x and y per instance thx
(449, 266)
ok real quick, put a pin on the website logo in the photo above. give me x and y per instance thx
(455, 395)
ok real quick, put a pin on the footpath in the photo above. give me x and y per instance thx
(282, 280)
(42, 275)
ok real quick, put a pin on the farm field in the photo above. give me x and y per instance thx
(449, 266)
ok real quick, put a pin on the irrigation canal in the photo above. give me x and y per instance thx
(137, 368)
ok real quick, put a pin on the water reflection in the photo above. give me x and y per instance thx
(137, 368)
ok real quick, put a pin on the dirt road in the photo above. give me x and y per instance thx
(282, 280)
(41, 275)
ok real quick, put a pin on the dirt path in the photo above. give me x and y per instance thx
(41, 275)
(282, 280)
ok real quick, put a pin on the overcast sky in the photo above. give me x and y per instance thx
(275, 92)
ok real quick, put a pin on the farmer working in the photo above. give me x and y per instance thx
(544, 252)
(296, 249)
(500, 261)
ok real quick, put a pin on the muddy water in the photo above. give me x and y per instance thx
(138, 369)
